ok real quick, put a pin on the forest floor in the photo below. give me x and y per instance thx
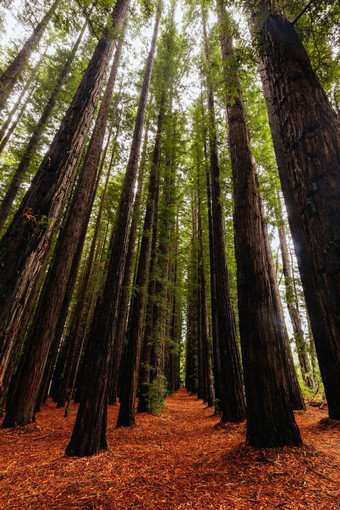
(179, 459)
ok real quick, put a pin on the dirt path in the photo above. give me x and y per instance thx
(179, 459)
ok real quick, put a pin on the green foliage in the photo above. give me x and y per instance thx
(157, 391)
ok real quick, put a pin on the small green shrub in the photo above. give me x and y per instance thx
(156, 394)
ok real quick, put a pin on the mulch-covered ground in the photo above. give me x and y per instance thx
(177, 460)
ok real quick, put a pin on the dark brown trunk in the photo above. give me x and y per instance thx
(11, 74)
(191, 368)
(214, 328)
(148, 340)
(52, 309)
(306, 140)
(89, 433)
(233, 403)
(36, 136)
(27, 242)
(126, 284)
(206, 348)
(126, 417)
(270, 419)
(294, 389)
(175, 336)
(81, 316)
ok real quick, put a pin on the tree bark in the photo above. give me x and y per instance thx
(306, 141)
(206, 349)
(52, 309)
(27, 242)
(36, 136)
(89, 433)
(126, 284)
(233, 403)
(270, 419)
(126, 416)
(14, 124)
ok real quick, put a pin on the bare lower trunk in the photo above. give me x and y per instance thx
(28, 240)
(233, 403)
(270, 419)
(306, 142)
(36, 136)
(89, 433)
(128, 393)
(206, 348)
(126, 284)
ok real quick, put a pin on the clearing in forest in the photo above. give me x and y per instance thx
(179, 459)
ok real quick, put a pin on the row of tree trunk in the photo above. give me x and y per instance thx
(304, 135)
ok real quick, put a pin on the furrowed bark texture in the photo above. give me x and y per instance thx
(89, 433)
(233, 403)
(208, 390)
(61, 276)
(126, 284)
(27, 241)
(36, 136)
(270, 419)
(11, 74)
(126, 417)
(306, 141)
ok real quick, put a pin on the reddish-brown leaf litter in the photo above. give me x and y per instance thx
(179, 459)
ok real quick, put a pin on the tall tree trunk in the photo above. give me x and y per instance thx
(126, 284)
(270, 419)
(306, 141)
(89, 433)
(292, 305)
(206, 350)
(27, 242)
(294, 389)
(18, 118)
(11, 74)
(126, 417)
(36, 135)
(148, 340)
(216, 352)
(191, 368)
(80, 316)
(233, 403)
(175, 336)
(19, 100)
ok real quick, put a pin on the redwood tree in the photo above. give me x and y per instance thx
(58, 286)
(270, 419)
(11, 74)
(27, 242)
(306, 141)
(89, 433)
(232, 397)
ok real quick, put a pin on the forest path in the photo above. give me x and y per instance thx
(176, 460)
